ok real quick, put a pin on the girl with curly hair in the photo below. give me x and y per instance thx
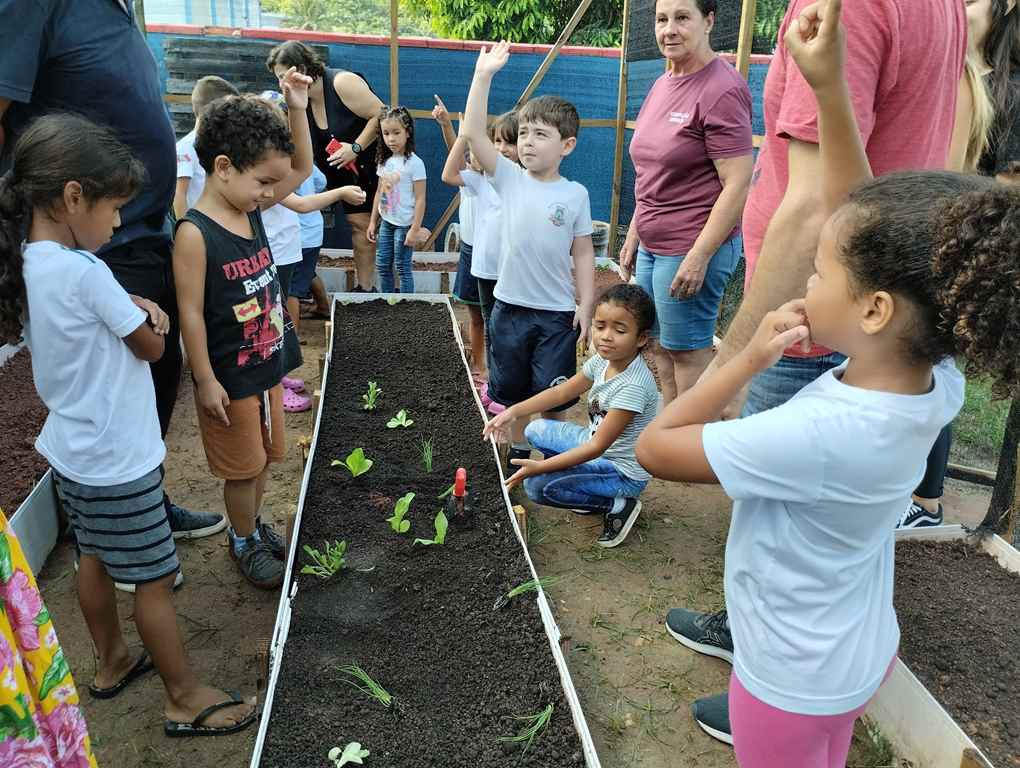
(912, 269)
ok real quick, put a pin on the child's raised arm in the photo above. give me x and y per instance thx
(476, 112)
(442, 116)
(455, 163)
(295, 90)
(817, 42)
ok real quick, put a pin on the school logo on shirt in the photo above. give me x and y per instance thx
(679, 117)
(557, 214)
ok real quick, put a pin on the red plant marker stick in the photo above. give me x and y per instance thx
(460, 483)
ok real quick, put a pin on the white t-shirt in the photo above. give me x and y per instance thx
(283, 228)
(486, 224)
(818, 484)
(467, 219)
(188, 167)
(102, 428)
(396, 180)
(540, 221)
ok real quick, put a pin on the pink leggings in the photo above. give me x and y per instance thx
(766, 737)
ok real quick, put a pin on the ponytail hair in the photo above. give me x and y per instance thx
(54, 150)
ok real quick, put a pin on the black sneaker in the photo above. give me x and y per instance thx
(707, 633)
(193, 525)
(712, 714)
(258, 564)
(273, 539)
(917, 516)
(515, 453)
(618, 524)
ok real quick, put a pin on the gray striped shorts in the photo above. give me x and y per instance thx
(125, 526)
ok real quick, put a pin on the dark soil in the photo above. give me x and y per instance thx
(22, 414)
(347, 263)
(960, 616)
(421, 621)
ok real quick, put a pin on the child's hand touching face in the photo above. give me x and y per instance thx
(778, 331)
(490, 62)
(817, 41)
(295, 88)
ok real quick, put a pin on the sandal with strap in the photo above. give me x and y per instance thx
(295, 403)
(174, 729)
(142, 666)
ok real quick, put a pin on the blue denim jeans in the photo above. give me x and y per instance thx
(391, 252)
(790, 375)
(592, 486)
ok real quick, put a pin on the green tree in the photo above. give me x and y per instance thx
(362, 17)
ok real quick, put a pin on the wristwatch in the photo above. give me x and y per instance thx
(356, 148)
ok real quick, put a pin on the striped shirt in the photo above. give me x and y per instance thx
(632, 390)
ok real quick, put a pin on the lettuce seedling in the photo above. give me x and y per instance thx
(327, 563)
(356, 462)
(371, 396)
(352, 753)
(441, 525)
(536, 723)
(397, 521)
(400, 420)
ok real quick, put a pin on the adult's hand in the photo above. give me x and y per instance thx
(689, 277)
(342, 156)
(628, 255)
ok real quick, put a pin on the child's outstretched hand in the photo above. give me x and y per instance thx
(490, 62)
(778, 331)
(440, 113)
(528, 468)
(353, 195)
(817, 41)
(295, 88)
(497, 425)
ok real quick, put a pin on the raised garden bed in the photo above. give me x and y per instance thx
(954, 697)
(419, 619)
(22, 414)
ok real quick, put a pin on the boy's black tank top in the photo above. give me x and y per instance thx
(343, 125)
(250, 336)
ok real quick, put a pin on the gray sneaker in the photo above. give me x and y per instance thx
(707, 633)
(712, 714)
(186, 524)
(258, 564)
(273, 539)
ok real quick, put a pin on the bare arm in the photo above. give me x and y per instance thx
(181, 198)
(612, 426)
(419, 211)
(358, 97)
(476, 113)
(145, 343)
(961, 127)
(455, 162)
(320, 200)
(583, 254)
(545, 400)
(295, 91)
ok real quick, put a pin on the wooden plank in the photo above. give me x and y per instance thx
(970, 474)
(621, 121)
(745, 39)
(550, 57)
(394, 54)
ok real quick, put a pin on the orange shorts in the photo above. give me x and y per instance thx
(242, 450)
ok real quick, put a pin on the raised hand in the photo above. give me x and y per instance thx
(817, 41)
(491, 61)
(439, 112)
(295, 88)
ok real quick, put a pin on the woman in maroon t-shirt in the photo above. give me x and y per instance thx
(692, 156)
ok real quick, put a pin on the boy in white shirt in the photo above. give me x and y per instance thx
(535, 323)
(190, 175)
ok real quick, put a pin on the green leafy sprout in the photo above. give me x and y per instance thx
(327, 562)
(425, 445)
(441, 524)
(531, 585)
(445, 493)
(352, 753)
(371, 396)
(397, 521)
(536, 723)
(359, 678)
(355, 462)
(400, 420)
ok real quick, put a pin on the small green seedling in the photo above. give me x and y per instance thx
(360, 679)
(400, 420)
(531, 585)
(328, 562)
(445, 493)
(397, 521)
(352, 753)
(371, 396)
(425, 445)
(536, 723)
(441, 525)
(356, 462)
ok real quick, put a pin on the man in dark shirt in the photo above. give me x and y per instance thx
(89, 57)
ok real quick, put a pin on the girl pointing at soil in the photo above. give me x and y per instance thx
(902, 284)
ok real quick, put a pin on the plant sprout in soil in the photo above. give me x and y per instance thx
(441, 524)
(536, 723)
(371, 396)
(445, 493)
(397, 521)
(425, 445)
(531, 585)
(400, 420)
(359, 678)
(352, 753)
(327, 562)
(355, 462)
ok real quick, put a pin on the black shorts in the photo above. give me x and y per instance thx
(465, 287)
(530, 350)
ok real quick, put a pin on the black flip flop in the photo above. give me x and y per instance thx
(174, 729)
(141, 667)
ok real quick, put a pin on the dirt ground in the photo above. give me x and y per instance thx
(635, 682)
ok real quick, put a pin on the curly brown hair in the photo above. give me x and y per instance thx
(947, 243)
(243, 129)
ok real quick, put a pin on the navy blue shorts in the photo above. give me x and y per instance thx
(304, 273)
(465, 287)
(530, 350)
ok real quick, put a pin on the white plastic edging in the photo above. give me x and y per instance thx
(289, 589)
(918, 726)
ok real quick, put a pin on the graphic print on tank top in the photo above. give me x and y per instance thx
(262, 314)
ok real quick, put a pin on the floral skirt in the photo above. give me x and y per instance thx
(41, 721)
